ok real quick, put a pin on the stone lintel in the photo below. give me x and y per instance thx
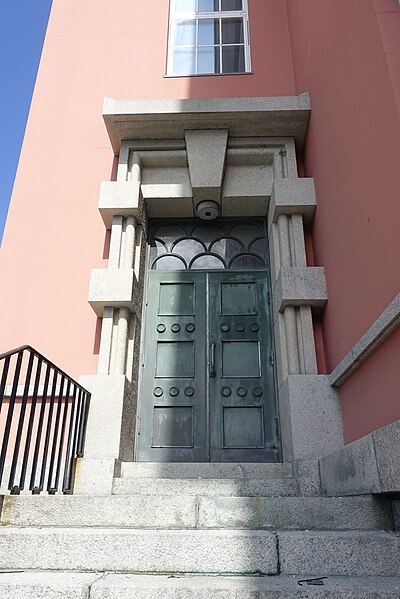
(119, 198)
(278, 116)
(300, 286)
(113, 287)
(292, 196)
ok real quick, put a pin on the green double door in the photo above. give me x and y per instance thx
(207, 385)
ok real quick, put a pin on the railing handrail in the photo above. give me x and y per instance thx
(50, 421)
(12, 352)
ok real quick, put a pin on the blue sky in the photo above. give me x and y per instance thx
(22, 29)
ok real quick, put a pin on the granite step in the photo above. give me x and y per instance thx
(205, 470)
(52, 585)
(246, 487)
(173, 552)
(190, 512)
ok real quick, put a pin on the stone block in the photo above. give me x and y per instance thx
(206, 487)
(206, 152)
(327, 553)
(387, 450)
(311, 422)
(292, 196)
(351, 470)
(308, 474)
(141, 551)
(108, 511)
(294, 513)
(300, 286)
(119, 198)
(46, 585)
(206, 470)
(112, 287)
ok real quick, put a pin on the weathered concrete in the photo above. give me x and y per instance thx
(127, 550)
(119, 198)
(292, 196)
(300, 286)
(339, 553)
(46, 585)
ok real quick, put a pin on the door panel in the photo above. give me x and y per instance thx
(173, 410)
(242, 396)
(207, 389)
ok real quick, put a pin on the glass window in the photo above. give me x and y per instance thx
(208, 37)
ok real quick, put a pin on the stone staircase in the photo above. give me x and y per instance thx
(199, 531)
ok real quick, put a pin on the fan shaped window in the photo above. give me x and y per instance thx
(208, 37)
(215, 245)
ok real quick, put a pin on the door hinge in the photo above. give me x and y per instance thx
(268, 298)
(271, 358)
(277, 428)
(282, 153)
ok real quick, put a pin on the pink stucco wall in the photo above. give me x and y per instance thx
(54, 234)
(352, 151)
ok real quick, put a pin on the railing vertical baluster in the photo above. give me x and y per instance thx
(10, 413)
(62, 434)
(66, 485)
(48, 430)
(74, 451)
(52, 489)
(30, 424)
(83, 424)
(24, 401)
(4, 380)
(38, 489)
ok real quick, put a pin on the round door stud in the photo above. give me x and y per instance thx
(190, 327)
(225, 327)
(257, 391)
(174, 391)
(241, 391)
(161, 328)
(226, 391)
(240, 327)
(176, 328)
(189, 391)
(158, 392)
(255, 327)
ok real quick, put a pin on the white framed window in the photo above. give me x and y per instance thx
(208, 37)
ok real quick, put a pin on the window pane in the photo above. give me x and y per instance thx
(233, 59)
(185, 33)
(185, 6)
(208, 5)
(208, 32)
(232, 31)
(232, 5)
(208, 60)
(184, 61)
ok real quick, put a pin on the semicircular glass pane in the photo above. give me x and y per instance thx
(188, 249)
(259, 247)
(247, 261)
(169, 233)
(226, 248)
(169, 262)
(157, 248)
(207, 232)
(207, 262)
(246, 232)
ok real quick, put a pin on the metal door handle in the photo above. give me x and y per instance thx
(212, 360)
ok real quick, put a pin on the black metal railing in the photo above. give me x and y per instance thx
(43, 416)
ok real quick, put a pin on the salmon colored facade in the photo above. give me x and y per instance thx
(345, 54)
